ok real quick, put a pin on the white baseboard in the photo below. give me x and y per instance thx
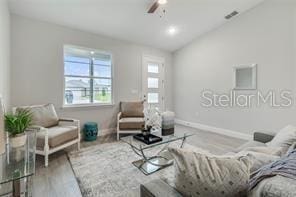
(213, 129)
(106, 131)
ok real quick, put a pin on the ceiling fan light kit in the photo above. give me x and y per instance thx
(232, 14)
(162, 2)
(172, 30)
(155, 5)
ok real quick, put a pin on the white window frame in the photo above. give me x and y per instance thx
(65, 105)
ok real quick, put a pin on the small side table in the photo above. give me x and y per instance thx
(18, 166)
(90, 131)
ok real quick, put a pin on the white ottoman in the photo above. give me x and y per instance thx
(168, 123)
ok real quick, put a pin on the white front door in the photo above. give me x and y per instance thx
(153, 81)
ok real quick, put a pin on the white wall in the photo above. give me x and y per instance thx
(264, 35)
(4, 52)
(37, 67)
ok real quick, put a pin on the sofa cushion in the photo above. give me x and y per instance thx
(132, 109)
(131, 123)
(199, 174)
(250, 144)
(43, 115)
(260, 155)
(284, 138)
(277, 151)
(275, 186)
(57, 135)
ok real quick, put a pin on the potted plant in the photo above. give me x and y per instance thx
(15, 125)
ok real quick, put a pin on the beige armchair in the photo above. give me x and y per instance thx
(54, 133)
(130, 119)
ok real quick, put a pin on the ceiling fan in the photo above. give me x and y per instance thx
(155, 5)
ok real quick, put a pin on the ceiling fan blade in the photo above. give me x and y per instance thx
(153, 7)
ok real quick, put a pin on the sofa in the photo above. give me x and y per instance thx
(274, 186)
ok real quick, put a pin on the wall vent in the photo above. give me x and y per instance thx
(232, 14)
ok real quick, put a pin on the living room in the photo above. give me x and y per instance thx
(210, 82)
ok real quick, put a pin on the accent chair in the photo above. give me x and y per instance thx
(54, 133)
(130, 119)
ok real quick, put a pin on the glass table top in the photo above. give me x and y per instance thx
(18, 163)
(165, 139)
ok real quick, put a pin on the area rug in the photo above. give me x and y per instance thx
(107, 170)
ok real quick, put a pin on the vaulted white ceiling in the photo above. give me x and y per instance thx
(128, 19)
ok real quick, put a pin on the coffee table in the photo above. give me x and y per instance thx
(158, 161)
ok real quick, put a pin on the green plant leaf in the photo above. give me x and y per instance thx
(17, 123)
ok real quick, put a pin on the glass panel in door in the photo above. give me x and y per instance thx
(153, 82)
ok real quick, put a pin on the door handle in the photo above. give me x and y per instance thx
(144, 96)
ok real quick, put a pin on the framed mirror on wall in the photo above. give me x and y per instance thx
(245, 77)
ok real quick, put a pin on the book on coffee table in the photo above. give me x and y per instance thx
(148, 139)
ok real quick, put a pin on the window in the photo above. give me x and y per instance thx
(88, 76)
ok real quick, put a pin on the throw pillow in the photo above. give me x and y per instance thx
(199, 174)
(258, 159)
(168, 175)
(284, 138)
(43, 115)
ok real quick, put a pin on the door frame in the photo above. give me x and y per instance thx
(161, 60)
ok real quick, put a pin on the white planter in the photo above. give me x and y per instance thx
(18, 140)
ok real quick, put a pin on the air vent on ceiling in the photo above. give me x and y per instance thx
(232, 14)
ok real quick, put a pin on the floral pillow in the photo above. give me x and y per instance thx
(202, 174)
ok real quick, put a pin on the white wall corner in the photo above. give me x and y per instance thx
(213, 129)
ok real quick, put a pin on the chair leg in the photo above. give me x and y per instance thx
(117, 136)
(78, 145)
(46, 153)
(46, 160)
